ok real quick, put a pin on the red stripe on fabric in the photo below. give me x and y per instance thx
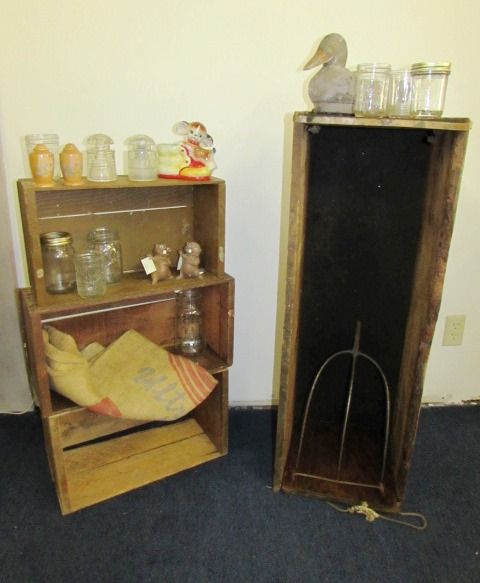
(189, 376)
(209, 380)
(176, 362)
(200, 375)
(195, 379)
(106, 407)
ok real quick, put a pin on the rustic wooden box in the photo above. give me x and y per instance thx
(86, 470)
(371, 216)
(161, 211)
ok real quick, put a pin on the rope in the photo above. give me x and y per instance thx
(371, 515)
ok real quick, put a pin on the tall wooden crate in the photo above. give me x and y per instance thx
(94, 457)
(372, 211)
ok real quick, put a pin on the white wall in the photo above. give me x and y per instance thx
(121, 68)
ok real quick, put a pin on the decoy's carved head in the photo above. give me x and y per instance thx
(331, 51)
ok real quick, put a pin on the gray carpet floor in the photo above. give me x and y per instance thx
(221, 522)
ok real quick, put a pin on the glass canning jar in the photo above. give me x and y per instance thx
(106, 241)
(400, 93)
(189, 322)
(90, 272)
(429, 88)
(58, 262)
(371, 92)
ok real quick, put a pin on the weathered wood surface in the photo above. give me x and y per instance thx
(98, 471)
(449, 137)
(446, 123)
(158, 212)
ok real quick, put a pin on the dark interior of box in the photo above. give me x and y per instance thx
(363, 219)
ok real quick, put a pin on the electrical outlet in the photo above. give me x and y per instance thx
(453, 332)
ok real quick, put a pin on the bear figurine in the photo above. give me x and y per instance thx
(162, 261)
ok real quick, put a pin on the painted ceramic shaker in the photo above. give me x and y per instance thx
(42, 165)
(71, 163)
(190, 159)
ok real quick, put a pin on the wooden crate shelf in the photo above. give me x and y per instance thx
(94, 457)
(131, 454)
(161, 211)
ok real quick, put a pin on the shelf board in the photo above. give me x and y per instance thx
(131, 288)
(121, 182)
(99, 471)
(444, 123)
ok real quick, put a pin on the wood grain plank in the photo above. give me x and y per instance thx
(448, 124)
(296, 241)
(140, 468)
(81, 425)
(96, 455)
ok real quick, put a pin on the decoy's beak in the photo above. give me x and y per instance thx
(319, 58)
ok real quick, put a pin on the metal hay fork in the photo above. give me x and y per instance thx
(356, 354)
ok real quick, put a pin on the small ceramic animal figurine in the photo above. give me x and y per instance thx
(161, 258)
(332, 89)
(192, 158)
(190, 260)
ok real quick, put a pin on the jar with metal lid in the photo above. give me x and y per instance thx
(107, 242)
(189, 323)
(371, 92)
(429, 88)
(58, 262)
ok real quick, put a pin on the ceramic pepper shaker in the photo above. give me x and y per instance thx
(42, 164)
(71, 163)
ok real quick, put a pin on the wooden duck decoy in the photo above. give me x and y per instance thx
(332, 88)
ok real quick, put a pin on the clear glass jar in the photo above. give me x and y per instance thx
(400, 93)
(58, 262)
(106, 241)
(100, 159)
(142, 158)
(189, 323)
(429, 88)
(371, 89)
(90, 273)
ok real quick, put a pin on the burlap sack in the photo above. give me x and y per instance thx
(132, 378)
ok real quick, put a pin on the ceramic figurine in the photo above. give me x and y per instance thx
(190, 260)
(192, 158)
(42, 165)
(161, 259)
(71, 163)
(332, 89)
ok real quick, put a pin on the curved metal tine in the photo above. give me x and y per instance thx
(355, 353)
(309, 401)
(387, 413)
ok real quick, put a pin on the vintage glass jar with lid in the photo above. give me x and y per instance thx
(58, 262)
(106, 241)
(142, 158)
(429, 88)
(189, 322)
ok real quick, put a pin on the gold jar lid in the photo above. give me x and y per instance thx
(423, 68)
(55, 238)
